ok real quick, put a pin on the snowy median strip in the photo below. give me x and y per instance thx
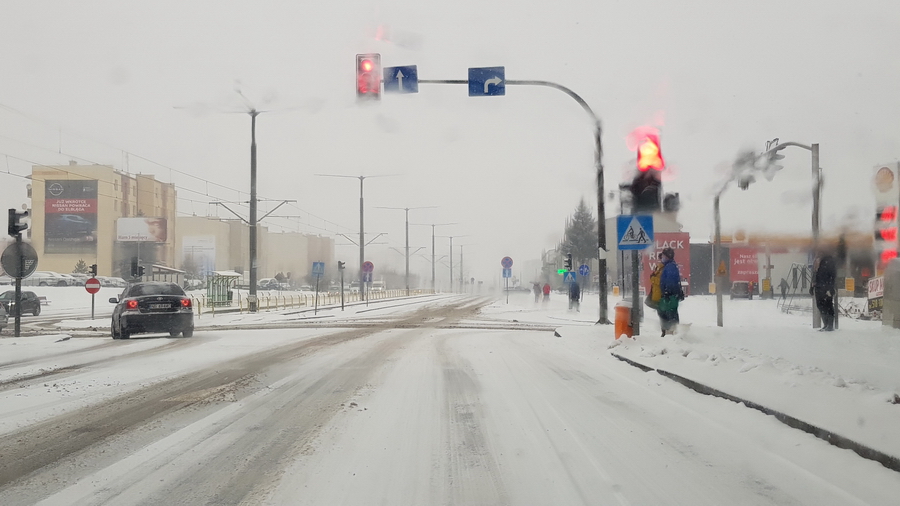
(864, 451)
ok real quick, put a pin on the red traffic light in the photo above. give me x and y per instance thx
(368, 76)
(887, 213)
(888, 255)
(649, 154)
(888, 234)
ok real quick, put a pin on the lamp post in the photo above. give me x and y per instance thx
(451, 257)
(406, 209)
(432, 225)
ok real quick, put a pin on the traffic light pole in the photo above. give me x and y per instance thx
(18, 324)
(598, 163)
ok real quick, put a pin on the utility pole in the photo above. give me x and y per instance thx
(406, 209)
(433, 260)
(253, 302)
(362, 230)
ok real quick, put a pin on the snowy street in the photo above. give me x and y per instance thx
(444, 400)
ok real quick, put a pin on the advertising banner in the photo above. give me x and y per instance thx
(875, 294)
(744, 265)
(680, 243)
(141, 229)
(70, 216)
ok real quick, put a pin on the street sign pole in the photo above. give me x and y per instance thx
(93, 296)
(635, 293)
(316, 308)
(18, 325)
(507, 290)
(342, 289)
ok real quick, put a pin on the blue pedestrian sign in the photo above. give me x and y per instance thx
(401, 79)
(634, 231)
(507, 273)
(569, 277)
(318, 268)
(487, 81)
(584, 270)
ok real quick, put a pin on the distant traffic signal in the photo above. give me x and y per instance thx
(568, 262)
(15, 226)
(341, 265)
(368, 76)
(886, 234)
(93, 269)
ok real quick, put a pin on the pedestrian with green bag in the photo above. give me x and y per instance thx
(672, 294)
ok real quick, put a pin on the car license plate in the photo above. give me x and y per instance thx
(160, 306)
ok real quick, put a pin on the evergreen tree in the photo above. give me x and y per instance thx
(81, 267)
(581, 235)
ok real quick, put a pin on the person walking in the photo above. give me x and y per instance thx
(546, 292)
(537, 292)
(784, 288)
(823, 279)
(655, 295)
(670, 285)
(574, 296)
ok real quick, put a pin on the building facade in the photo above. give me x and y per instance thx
(99, 215)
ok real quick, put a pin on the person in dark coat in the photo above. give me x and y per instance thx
(824, 276)
(574, 296)
(670, 284)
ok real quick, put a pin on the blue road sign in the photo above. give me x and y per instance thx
(401, 79)
(506, 262)
(367, 277)
(318, 268)
(487, 81)
(584, 270)
(507, 273)
(569, 277)
(634, 231)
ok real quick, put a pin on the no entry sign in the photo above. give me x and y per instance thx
(92, 285)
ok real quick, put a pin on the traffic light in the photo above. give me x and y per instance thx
(368, 76)
(93, 269)
(886, 234)
(649, 154)
(15, 227)
(140, 271)
(341, 265)
(134, 267)
(568, 262)
(646, 189)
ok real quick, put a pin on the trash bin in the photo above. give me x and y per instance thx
(623, 319)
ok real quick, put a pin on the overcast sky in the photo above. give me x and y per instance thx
(92, 80)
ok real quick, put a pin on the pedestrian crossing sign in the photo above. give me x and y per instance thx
(634, 231)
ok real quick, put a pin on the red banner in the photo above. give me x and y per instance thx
(70, 206)
(744, 265)
(680, 243)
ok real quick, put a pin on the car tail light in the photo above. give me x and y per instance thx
(131, 304)
(185, 302)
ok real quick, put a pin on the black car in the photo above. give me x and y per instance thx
(152, 307)
(30, 303)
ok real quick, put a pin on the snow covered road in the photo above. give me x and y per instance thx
(412, 409)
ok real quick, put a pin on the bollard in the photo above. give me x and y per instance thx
(623, 319)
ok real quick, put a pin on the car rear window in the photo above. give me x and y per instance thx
(155, 289)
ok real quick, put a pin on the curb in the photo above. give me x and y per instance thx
(888, 461)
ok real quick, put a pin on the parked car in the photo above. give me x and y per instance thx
(740, 290)
(70, 280)
(267, 284)
(4, 318)
(45, 278)
(152, 306)
(30, 302)
(7, 280)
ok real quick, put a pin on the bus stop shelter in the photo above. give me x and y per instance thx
(220, 288)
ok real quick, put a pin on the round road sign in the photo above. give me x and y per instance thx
(368, 266)
(92, 285)
(506, 263)
(19, 260)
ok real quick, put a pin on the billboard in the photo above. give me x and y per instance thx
(70, 216)
(680, 242)
(745, 265)
(141, 229)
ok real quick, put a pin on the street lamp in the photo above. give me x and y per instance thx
(407, 236)
(451, 256)
(432, 225)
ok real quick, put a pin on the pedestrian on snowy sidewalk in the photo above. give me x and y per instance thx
(824, 275)
(672, 294)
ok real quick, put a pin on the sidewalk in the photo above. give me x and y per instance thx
(846, 382)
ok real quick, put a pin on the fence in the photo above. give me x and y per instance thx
(275, 301)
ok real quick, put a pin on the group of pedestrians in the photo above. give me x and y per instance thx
(665, 291)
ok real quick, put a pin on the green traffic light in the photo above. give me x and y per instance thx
(560, 271)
